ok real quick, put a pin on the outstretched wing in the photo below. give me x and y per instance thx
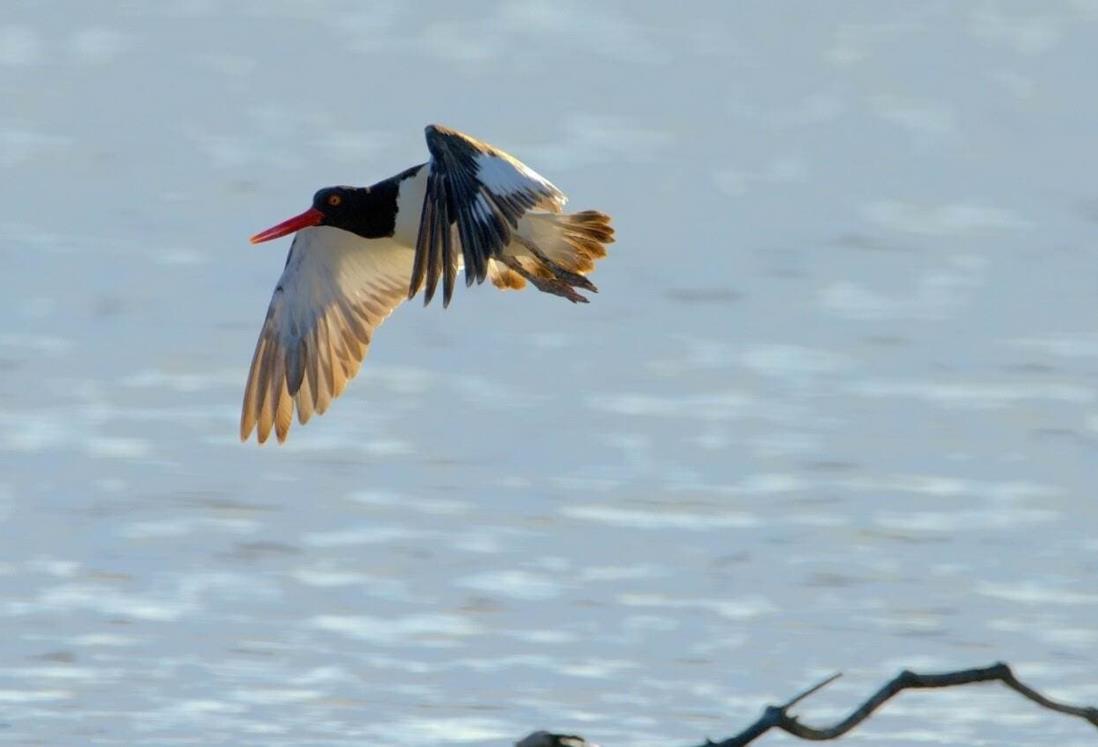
(336, 288)
(482, 190)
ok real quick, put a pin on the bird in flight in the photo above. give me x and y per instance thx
(360, 251)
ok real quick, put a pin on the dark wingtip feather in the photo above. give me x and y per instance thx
(449, 262)
(419, 264)
(429, 226)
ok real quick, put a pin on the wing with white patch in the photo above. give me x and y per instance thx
(484, 192)
(335, 290)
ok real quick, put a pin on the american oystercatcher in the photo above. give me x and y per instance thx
(360, 251)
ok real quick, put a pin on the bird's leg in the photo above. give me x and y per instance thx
(555, 285)
(572, 278)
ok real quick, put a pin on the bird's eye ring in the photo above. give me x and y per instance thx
(334, 200)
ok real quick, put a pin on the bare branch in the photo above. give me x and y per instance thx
(811, 691)
(777, 717)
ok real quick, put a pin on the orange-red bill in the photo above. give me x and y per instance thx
(310, 217)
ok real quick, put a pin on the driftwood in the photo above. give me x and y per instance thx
(777, 717)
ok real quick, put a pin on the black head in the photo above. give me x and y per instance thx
(366, 211)
(340, 205)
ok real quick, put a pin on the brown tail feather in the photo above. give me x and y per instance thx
(554, 252)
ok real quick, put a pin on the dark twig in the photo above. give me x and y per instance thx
(811, 691)
(777, 717)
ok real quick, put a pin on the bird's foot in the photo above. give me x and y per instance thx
(560, 282)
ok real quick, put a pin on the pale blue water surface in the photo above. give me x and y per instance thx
(835, 406)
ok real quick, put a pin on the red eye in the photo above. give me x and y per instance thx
(334, 200)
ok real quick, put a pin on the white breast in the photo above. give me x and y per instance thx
(410, 207)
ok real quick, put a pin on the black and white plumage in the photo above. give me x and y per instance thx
(487, 191)
(360, 251)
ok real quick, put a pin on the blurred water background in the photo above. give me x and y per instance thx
(834, 408)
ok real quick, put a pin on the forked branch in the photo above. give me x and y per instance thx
(777, 717)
